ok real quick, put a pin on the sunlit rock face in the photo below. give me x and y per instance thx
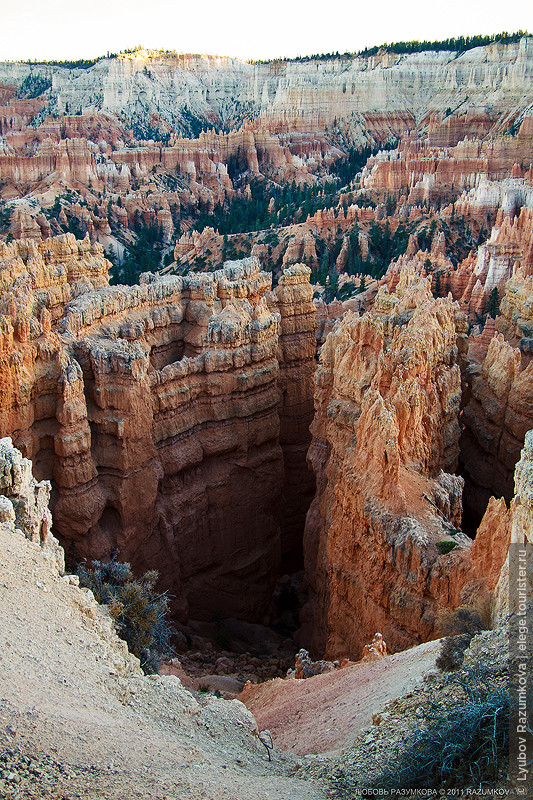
(156, 411)
(385, 440)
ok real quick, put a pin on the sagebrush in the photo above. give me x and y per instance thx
(139, 611)
(462, 745)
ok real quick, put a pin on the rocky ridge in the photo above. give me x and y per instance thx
(287, 91)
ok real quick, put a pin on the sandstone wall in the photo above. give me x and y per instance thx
(155, 410)
(295, 94)
(482, 164)
(496, 417)
(502, 525)
(385, 438)
(293, 300)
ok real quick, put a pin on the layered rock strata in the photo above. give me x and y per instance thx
(491, 166)
(293, 301)
(385, 438)
(294, 93)
(496, 417)
(155, 410)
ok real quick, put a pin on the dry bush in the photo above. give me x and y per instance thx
(139, 612)
(452, 652)
(460, 626)
(470, 618)
(462, 747)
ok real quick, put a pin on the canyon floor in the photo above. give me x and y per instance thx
(326, 712)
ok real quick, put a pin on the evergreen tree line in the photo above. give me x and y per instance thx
(81, 63)
(143, 255)
(455, 44)
(459, 44)
(345, 169)
(243, 214)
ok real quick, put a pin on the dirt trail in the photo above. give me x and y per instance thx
(327, 711)
(79, 720)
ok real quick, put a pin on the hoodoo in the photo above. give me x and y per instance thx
(385, 438)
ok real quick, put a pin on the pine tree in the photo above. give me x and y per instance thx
(493, 305)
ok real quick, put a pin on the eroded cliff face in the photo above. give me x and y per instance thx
(480, 159)
(498, 410)
(287, 93)
(156, 411)
(148, 120)
(385, 439)
(293, 301)
(501, 526)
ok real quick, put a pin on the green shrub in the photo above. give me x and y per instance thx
(139, 612)
(445, 546)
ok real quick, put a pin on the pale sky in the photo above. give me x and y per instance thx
(70, 29)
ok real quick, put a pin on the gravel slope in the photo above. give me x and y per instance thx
(79, 720)
(326, 712)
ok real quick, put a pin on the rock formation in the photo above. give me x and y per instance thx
(385, 438)
(476, 164)
(495, 419)
(304, 667)
(376, 649)
(24, 502)
(501, 526)
(156, 411)
(516, 312)
(296, 94)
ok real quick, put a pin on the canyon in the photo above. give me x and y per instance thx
(259, 319)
